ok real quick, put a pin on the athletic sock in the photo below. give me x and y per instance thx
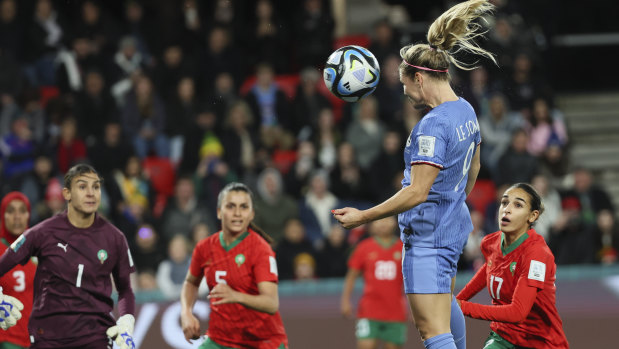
(458, 325)
(442, 341)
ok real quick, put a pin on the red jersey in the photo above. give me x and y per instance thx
(19, 283)
(521, 282)
(241, 265)
(383, 292)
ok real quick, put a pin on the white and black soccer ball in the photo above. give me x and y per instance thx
(351, 73)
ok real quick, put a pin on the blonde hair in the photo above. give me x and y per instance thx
(455, 27)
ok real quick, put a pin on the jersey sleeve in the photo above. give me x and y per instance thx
(125, 265)
(430, 144)
(517, 311)
(356, 258)
(20, 251)
(477, 283)
(537, 267)
(197, 260)
(265, 265)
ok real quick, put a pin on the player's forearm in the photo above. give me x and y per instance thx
(261, 302)
(405, 199)
(520, 307)
(126, 298)
(473, 172)
(477, 283)
(189, 295)
(349, 283)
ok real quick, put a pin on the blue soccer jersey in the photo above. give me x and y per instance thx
(447, 138)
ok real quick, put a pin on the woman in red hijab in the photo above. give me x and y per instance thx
(14, 216)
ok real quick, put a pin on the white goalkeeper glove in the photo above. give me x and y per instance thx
(122, 333)
(10, 310)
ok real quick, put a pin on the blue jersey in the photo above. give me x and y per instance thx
(447, 138)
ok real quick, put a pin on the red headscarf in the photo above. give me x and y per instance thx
(14, 195)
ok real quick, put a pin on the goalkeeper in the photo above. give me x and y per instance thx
(77, 251)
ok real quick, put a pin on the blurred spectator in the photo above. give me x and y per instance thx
(571, 241)
(142, 28)
(71, 149)
(17, 149)
(35, 184)
(366, 132)
(315, 207)
(147, 249)
(478, 90)
(472, 258)
(11, 30)
(192, 28)
(606, 235)
(545, 128)
(384, 41)
(387, 168)
(73, 65)
(298, 176)
(274, 207)
(44, 36)
(94, 108)
(31, 111)
(492, 209)
(266, 38)
(267, 101)
(136, 193)
(388, 93)
(326, 138)
(172, 271)
(12, 79)
(220, 56)
(200, 134)
(239, 140)
(524, 85)
(552, 205)
(146, 280)
(111, 152)
(127, 63)
(590, 197)
(314, 33)
(143, 119)
(554, 163)
(497, 127)
(304, 266)
(347, 180)
(101, 29)
(308, 103)
(293, 243)
(174, 67)
(221, 98)
(54, 201)
(199, 232)
(333, 256)
(516, 164)
(183, 211)
(181, 112)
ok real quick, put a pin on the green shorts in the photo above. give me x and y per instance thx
(7, 345)
(494, 341)
(388, 331)
(210, 344)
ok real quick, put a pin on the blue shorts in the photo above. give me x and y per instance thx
(428, 270)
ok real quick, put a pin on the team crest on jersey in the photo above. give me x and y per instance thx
(102, 255)
(408, 141)
(512, 267)
(489, 263)
(18, 243)
(239, 259)
(372, 255)
(397, 255)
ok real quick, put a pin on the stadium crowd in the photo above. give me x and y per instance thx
(170, 101)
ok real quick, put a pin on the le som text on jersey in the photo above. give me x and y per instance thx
(467, 129)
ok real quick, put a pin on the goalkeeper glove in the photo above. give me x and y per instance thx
(10, 310)
(122, 333)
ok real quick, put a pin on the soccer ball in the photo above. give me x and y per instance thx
(351, 73)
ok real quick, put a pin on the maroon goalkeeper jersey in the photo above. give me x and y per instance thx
(242, 265)
(72, 286)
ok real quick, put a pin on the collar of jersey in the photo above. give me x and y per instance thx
(514, 245)
(233, 243)
(385, 245)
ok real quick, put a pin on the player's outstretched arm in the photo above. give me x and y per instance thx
(10, 310)
(266, 301)
(189, 294)
(473, 171)
(122, 332)
(422, 178)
